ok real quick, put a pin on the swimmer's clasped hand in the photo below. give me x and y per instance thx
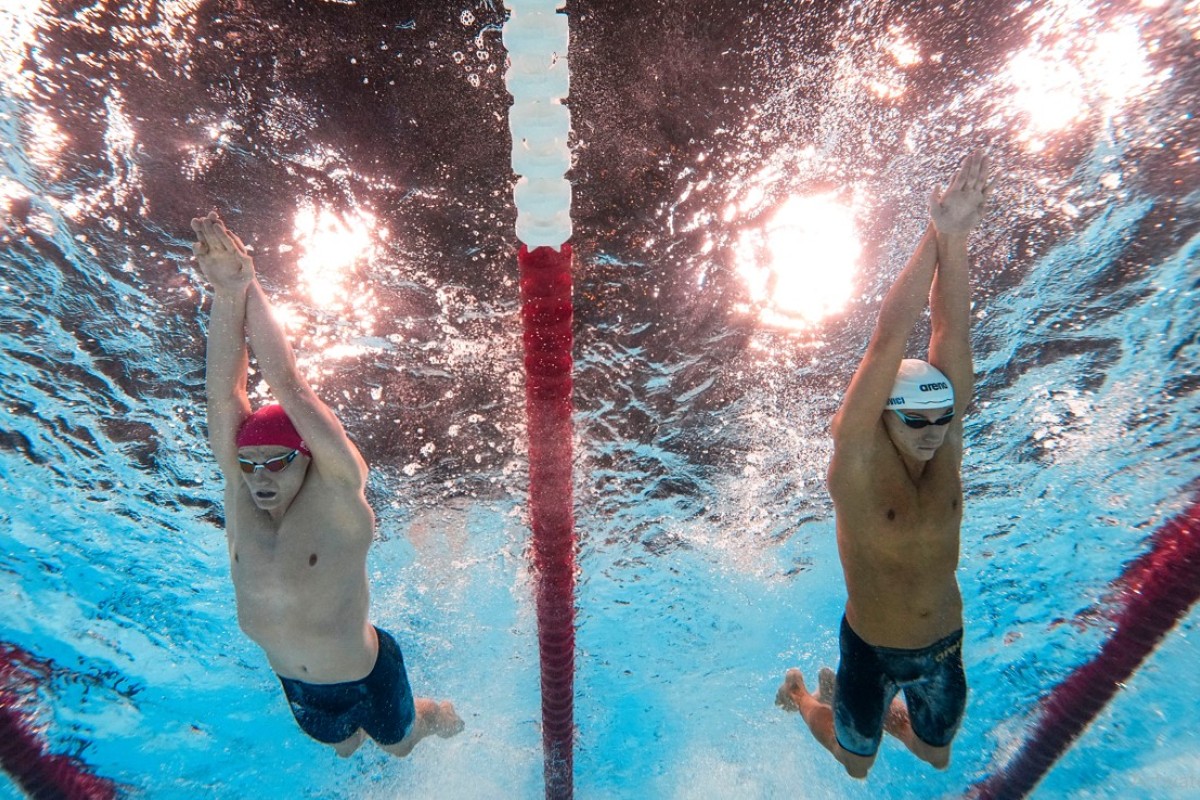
(959, 209)
(221, 255)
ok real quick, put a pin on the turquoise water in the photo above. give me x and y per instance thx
(707, 561)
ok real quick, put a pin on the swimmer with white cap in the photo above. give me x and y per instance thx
(897, 496)
(921, 399)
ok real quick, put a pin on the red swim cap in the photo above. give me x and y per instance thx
(270, 425)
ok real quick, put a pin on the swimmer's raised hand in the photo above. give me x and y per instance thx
(221, 255)
(960, 208)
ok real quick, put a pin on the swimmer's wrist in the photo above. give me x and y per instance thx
(952, 237)
(236, 287)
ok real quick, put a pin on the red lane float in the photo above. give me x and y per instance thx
(1156, 590)
(546, 314)
(41, 775)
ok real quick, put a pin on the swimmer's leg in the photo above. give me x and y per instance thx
(896, 722)
(793, 695)
(346, 748)
(432, 718)
(826, 685)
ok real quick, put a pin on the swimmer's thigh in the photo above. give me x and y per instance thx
(862, 696)
(937, 701)
(392, 712)
(325, 713)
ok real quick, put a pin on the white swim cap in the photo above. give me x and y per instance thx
(920, 385)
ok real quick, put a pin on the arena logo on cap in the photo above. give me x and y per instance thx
(933, 387)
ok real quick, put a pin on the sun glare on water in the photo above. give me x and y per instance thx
(333, 247)
(800, 268)
(1064, 76)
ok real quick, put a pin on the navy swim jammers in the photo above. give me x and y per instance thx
(381, 703)
(868, 678)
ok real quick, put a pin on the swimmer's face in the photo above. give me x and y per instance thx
(273, 491)
(918, 443)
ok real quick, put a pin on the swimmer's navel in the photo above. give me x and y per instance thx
(891, 514)
(312, 560)
(235, 558)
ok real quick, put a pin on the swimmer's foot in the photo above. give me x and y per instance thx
(446, 722)
(432, 718)
(826, 681)
(792, 692)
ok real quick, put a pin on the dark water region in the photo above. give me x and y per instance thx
(398, 109)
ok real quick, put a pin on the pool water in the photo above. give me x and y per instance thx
(370, 171)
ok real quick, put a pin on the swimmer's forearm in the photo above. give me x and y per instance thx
(906, 300)
(271, 346)
(316, 422)
(225, 369)
(950, 309)
(902, 307)
(950, 301)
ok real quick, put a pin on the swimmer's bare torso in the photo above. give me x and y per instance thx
(301, 582)
(898, 537)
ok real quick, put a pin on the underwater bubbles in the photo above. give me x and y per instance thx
(1074, 68)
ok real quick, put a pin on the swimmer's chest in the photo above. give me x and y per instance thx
(308, 545)
(900, 505)
(891, 512)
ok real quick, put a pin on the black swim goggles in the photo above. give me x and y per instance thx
(923, 422)
(276, 464)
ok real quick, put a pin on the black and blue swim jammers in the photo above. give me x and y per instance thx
(381, 703)
(869, 677)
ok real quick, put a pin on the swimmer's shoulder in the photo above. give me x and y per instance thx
(856, 457)
(334, 504)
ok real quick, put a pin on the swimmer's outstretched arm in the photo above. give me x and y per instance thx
(230, 271)
(334, 455)
(955, 213)
(241, 309)
(872, 382)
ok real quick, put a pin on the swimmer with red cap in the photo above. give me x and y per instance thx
(897, 496)
(299, 526)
